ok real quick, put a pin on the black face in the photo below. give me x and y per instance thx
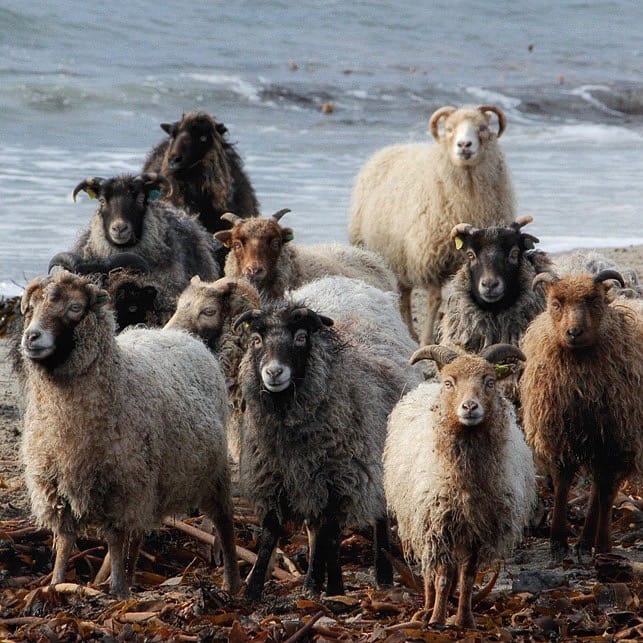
(132, 303)
(190, 141)
(494, 259)
(122, 205)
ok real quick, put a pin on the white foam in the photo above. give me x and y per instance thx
(585, 92)
(228, 81)
(565, 243)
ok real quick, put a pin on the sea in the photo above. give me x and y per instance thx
(85, 85)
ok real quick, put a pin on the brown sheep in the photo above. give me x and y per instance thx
(580, 392)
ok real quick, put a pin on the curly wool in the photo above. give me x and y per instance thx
(326, 438)
(456, 492)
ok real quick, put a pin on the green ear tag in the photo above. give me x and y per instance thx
(91, 193)
(502, 370)
(458, 243)
(102, 298)
(154, 195)
(288, 236)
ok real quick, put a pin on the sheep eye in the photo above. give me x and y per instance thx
(209, 312)
(490, 384)
(449, 384)
(75, 307)
(101, 200)
(555, 304)
(203, 139)
(300, 337)
(256, 340)
(471, 255)
(274, 244)
(237, 245)
(132, 309)
(483, 128)
(514, 255)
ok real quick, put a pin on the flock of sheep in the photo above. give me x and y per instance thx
(300, 367)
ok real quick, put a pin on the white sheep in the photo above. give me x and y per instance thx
(458, 475)
(118, 431)
(407, 198)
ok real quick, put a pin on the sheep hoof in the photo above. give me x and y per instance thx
(583, 552)
(558, 551)
(120, 593)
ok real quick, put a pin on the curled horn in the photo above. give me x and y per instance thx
(67, 260)
(545, 277)
(280, 213)
(245, 317)
(439, 354)
(604, 275)
(231, 218)
(462, 228)
(522, 221)
(89, 185)
(153, 179)
(499, 353)
(502, 119)
(319, 320)
(438, 114)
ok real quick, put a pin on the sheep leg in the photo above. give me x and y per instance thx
(270, 532)
(434, 299)
(405, 307)
(444, 577)
(332, 534)
(317, 559)
(116, 542)
(64, 544)
(562, 479)
(464, 616)
(588, 534)
(607, 490)
(224, 524)
(132, 548)
(383, 566)
(429, 591)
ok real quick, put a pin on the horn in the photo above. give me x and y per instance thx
(127, 260)
(439, 354)
(320, 320)
(67, 260)
(522, 221)
(435, 119)
(37, 282)
(90, 185)
(498, 353)
(545, 277)
(244, 317)
(231, 218)
(280, 213)
(152, 180)
(502, 119)
(462, 228)
(604, 275)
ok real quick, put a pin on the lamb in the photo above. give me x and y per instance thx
(119, 431)
(312, 436)
(490, 299)
(174, 245)
(407, 198)
(205, 170)
(581, 401)
(458, 474)
(262, 254)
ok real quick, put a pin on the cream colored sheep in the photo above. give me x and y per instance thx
(407, 198)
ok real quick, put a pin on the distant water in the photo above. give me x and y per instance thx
(84, 86)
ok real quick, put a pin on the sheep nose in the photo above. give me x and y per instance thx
(120, 227)
(574, 331)
(464, 144)
(274, 371)
(490, 284)
(33, 335)
(254, 271)
(469, 405)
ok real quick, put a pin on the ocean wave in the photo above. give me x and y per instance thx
(237, 84)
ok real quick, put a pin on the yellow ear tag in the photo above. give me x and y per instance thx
(458, 243)
(90, 193)
(502, 370)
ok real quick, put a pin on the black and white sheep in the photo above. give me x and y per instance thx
(205, 170)
(174, 245)
(581, 397)
(312, 436)
(458, 474)
(490, 299)
(119, 431)
(407, 198)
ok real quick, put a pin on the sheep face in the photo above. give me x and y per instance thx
(280, 342)
(256, 244)
(52, 308)
(191, 139)
(494, 257)
(466, 132)
(205, 309)
(133, 302)
(122, 203)
(469, 381)
(576, 305)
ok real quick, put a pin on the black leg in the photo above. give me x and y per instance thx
(271, 530)
(383, 566)
(316, 574)
(335, 584)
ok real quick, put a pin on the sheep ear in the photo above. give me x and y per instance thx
(195, 280)
(504, 370)
(91, 186)
(224, 236)
(287, 235)
(170, 128)
(309, 318)
(528, 241)
(460, 232)
(97, 296)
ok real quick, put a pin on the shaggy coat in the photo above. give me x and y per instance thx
(122, 431)
(407, 198)
(215, 182)
(580, 397)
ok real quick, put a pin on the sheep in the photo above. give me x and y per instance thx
(490, 299)
(262, 254)
(407, 198)
(174, 245)
(312, 437)
(581, 401)
(458, 474)
(119, 431)
(205, 170)
(208, 310)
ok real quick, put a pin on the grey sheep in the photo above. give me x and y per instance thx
(458, 474)
(119, 431)
(312, 437)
